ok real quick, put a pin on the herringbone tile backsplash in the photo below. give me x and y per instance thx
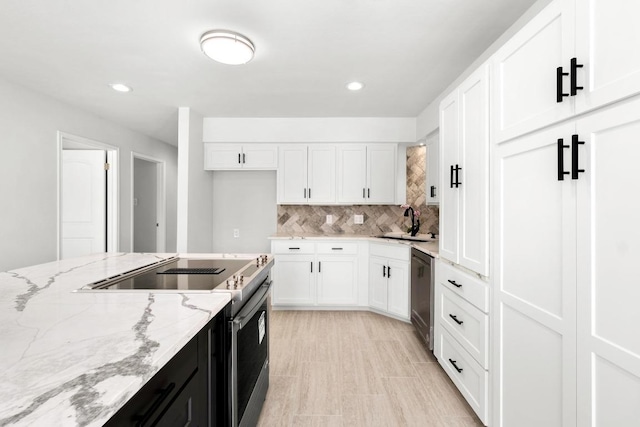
(377, 218)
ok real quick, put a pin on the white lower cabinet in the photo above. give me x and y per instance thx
(308, 274)
(462, 333)
(389, 279)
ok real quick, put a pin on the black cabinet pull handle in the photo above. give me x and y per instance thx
(453, 362)
(368, 193)
(144, 418)
(453, 282)
(336, 249)
(309, 193)
(319, 266)
(363, 193)
(312, 266)
(575, 142)
(389, 272)
(455, 319)
(451, 176)
(384, 271)
(305, 193)
(561, 147)
(458, 169)
(433, 191)
(559, 76)
(239, 158)
(294, 249)
(574, 76)
(243, 158)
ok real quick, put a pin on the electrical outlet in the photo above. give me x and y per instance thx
(236, 232)
(135, 201)
(358, 219)
(329, 219)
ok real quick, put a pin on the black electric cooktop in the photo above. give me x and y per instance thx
(186, 274)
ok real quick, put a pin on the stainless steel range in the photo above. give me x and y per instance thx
(248, 281)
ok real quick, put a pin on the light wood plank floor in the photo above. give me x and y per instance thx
(349, 368)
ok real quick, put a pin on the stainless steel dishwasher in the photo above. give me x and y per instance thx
(422, 295)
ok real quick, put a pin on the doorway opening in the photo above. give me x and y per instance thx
(148, 204)
(87, 196)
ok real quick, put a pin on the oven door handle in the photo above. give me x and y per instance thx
(252, 307)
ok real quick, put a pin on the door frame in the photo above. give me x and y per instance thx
(113, 154)
(161, 199)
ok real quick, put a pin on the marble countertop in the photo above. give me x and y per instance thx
(74, 358)
(430, 248)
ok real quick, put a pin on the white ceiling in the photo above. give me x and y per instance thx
(405, 51)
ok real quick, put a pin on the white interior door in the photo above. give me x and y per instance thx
(145, 205)
(84, 205)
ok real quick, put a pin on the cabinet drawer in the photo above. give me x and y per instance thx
(465, 322)
(337, 248)
(465, 285)
(292, 247)
(466, 373)
(394, 250)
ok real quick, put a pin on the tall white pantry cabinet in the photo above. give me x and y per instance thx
(565, 239)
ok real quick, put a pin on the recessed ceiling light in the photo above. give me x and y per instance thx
(227, 47)
(355, 86)
(119, 87)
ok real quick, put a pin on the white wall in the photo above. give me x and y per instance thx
(29, 123)
(307, 130)
(244, 200)
(195, 196)
(427, 120)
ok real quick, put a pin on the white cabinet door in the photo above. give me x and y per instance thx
(259, 156)
(294, 280)
(449, 207)
(607, 40)
(474, 173)
(534, 297)
(524, 73)
(381, 174)
(337, 280)
(398, 299)
(222, 156)
(378, 283)
(352, 173)
(608, 252)
(433, 169)
(321, 178)
(292, 174)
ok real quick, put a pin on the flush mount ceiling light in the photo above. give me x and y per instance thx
(119, 87)
(227, 47)
(355, 86)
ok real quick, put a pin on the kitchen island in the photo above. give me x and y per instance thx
(75, 358)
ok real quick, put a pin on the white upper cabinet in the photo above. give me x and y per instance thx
(607, 41)
(240, 156)
(524, 81)
(367, 173)
(432, 145)
(464, 206)
(307, 174)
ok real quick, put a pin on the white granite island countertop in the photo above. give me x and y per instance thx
(74, 358)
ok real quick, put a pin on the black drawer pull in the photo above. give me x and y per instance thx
(455, 319)
(453, 362)
(561, 147)
(144, 418)
(294, 249)
(305, 193)
(384, 271)
(368, 193)
(312, 266)
(319, 266)
(433, 191)
(389, 272)
(574, 76)
(243, 158)
(363, 193)
(559, 76)
(239, 158)
(453, 282)
(309, 193)
(451, 176)
(575, 142)
(336, 249)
